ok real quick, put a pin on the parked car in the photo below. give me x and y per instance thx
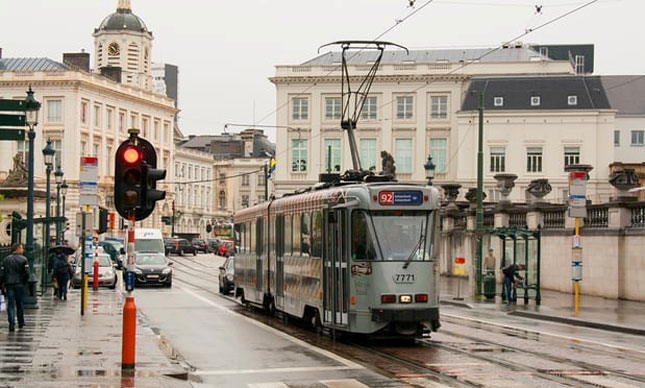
(115, 250)
(226, 248)
(180, 246)
(213, 244)
(200, 245)
(152, 269)
(227, 276)
(107, 273)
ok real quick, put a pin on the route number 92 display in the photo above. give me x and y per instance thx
(400, 198)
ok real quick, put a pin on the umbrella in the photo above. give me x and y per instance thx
(62, 249)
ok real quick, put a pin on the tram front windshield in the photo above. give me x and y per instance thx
(398, 235)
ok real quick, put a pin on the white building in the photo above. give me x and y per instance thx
(240, 184)
(411, 110)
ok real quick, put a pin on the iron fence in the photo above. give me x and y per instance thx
(597, 217)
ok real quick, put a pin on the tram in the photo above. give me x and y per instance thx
(357, 257)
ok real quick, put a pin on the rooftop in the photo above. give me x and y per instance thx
(626, 93)
(31, 64)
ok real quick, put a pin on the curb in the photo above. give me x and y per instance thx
(579, 322)
(458, 303)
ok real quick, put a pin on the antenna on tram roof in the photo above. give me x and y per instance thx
(354, 100)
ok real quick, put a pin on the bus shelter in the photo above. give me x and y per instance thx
(522, 246)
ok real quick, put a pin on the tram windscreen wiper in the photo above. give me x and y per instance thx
(416, 248)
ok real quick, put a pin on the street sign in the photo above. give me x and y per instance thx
(89, 257)
(12, 120)
(577, 194)
(12, 134)
(12, 105)
(89, 223)
(576, 271)
(460, 266)
(87, 186)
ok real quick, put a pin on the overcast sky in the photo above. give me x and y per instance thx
(226, 50)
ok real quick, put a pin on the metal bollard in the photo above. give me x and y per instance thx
(95, 280)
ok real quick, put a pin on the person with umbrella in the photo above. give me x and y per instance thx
(62, 270)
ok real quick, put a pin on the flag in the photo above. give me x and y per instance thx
(271, 168)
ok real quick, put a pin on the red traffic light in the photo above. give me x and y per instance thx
(131, 155)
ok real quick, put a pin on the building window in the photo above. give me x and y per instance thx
(334, 165)
(438, 151)
(83, 148)
(404, 107)
(84, 112)
(534, 159)
(544, 51)
(261, 179)
(369, 109)
(498, 101)
(638, 138)
(580, 64)
(110, 162)
(122, 122)
(245, 201)
(97, 116)
(571, 156)
(156, 134)
(438, 107)
(333, 108)
(23, 151)
(54, 111)
(146, 126)
(95, 150)
(535, 100)
(299, 148)
(403, 155)
(497, 159)
(58, 157)
(109, 118)
(368, 153)
(616, 138)
(245, 180)
(166, 131)
(572, 100)
(300, 108)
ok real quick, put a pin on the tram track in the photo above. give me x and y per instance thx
(416, 369)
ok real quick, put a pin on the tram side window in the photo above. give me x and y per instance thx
(316, 235)
(305, 230)
(362, 245)
(287, 235)
(260, 236)
(272, 234)
(252, 237)
(296, 235)
(237, 236)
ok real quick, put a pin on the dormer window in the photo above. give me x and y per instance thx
(572, 100)
(498, 101)
(535, 100)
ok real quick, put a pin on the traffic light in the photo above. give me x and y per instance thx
(103, 220)
(136, 176)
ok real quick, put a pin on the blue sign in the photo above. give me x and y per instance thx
(408, 198)
(129, 281)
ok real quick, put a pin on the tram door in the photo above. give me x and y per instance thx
(335, 270)
(259, 274)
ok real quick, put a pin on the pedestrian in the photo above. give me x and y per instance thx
(489, 262)
(63, 275)
(14, 272)
(53, 259)
(510, 274)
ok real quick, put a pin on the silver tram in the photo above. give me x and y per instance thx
(359, 258)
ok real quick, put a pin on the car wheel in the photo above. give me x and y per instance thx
(195, 252)
(181, 252)
(113, 286)
(168, 283)
(221, 289)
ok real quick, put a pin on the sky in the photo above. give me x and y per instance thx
(227, 50)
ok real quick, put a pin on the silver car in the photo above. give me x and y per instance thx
(107, 273)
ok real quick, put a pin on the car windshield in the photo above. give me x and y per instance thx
(104, 261)
(141, 245)
(150, 260)
(399, 235)
(116, 245)
(229, 265)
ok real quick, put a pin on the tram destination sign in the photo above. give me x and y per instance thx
(400, 198)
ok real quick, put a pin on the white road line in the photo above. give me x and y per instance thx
(575, 339)
(269, 370)
(349, 364)
(347, 383)
(268, 385)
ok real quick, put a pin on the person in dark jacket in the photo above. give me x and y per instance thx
(53, 259)
(15, 274)
(510, 274)
(63, 273)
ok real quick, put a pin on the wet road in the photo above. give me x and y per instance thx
(226, 344)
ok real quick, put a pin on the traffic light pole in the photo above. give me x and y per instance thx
(128, 350)
(172, 228)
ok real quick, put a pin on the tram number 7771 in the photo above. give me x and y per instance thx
(403, 278)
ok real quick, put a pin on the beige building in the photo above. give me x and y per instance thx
(193, 191)
(240, 183)
(411, 111)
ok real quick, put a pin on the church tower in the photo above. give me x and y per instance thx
(123, 40)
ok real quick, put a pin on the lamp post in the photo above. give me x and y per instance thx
(63, 192)
(430, 168)
(31, 119)
(58, 175)
(48, 153)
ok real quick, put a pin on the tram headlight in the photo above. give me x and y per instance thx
(405, 298)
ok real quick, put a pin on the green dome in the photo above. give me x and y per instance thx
(121, 20)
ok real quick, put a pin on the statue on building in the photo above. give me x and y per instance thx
(387, 163)
(18, 175)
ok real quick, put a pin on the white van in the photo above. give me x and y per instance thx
(148, 240)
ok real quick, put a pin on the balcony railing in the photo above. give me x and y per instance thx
(517, 220)
(597, 217)
(554, 219)
(637, 219)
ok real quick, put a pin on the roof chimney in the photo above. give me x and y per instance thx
(79, 61)
(0, 52)
(112, 72)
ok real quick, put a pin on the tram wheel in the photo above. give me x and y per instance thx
(316, 323)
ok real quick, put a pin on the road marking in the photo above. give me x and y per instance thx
(347, 383)
(268, 385)
(269, 370)
(349, 364)
(617, 347)
(457, 364)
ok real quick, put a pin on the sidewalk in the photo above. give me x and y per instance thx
(596, 312)
(58, 347)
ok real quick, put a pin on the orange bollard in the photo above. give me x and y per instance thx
(129, 334)
(95, 280)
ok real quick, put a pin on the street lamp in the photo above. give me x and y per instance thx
(430, 168)
(63, 192)
(48, 153)
(59, 180)
(31, 119)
